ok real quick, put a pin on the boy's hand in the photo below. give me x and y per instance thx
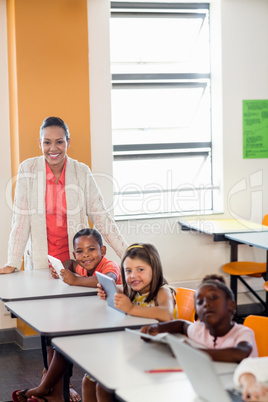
(122, 302)
(53, 272)
(100, 292)
(68, 276)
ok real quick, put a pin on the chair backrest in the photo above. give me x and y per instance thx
(265, 220)
(185, 303)
(259, 325)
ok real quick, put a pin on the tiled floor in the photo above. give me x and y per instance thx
(20, 369)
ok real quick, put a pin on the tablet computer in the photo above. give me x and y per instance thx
(109, 287)
(56, 264)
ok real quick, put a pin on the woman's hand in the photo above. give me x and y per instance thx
(100, 292)
(122, 302)
(7, 270)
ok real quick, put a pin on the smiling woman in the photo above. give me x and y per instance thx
(55, 197)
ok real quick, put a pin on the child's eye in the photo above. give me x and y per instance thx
(60, 142)
(213, 297)
(141, 269)
(91, 249)
(127, 271)
(199, 302)
(78, 251)
(46, 142)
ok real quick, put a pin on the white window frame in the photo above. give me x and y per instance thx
(215, 146)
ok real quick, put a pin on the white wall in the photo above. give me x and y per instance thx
(244, 54)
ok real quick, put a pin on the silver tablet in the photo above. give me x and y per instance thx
(109, 287)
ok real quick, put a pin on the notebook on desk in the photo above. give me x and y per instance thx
(199, 369)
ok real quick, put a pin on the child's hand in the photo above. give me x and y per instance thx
(53, 272)
(122, 302)
(252, 389)
(100, 292)
(68, 276)
(151, 329)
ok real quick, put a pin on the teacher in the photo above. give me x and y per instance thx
(55, 197)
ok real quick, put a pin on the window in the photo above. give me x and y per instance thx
(161, 109)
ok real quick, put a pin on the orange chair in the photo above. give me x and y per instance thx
(185, 303)
(237, 269)
(259, 325)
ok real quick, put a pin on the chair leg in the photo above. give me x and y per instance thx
(252, 291)
(233, 286)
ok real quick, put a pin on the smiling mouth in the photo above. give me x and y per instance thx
(135, 283)
(87, 262)
(54, 156)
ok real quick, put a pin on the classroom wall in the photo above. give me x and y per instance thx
(5, 166)
(186, 256)
(240, 72)
(48, 73)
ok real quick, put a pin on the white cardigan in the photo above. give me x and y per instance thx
(258, 366)
(84, 201)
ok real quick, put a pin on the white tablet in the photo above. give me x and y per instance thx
(109, 287)
(56, 264)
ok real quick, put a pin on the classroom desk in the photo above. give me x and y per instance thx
(218, 228)
(175, 391)
(254, 239)
(72, 315)
(37, 284)
(119, 360)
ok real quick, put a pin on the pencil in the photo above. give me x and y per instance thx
(165, 370)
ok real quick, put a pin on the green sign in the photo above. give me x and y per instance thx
(255, 129)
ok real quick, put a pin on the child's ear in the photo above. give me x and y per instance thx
(232, 306)
(103, 250)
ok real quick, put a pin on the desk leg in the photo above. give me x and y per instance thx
(266, 279)
(46, 342)
(44, 350)
(233, 257)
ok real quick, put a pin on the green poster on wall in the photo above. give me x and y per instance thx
(255, 129)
